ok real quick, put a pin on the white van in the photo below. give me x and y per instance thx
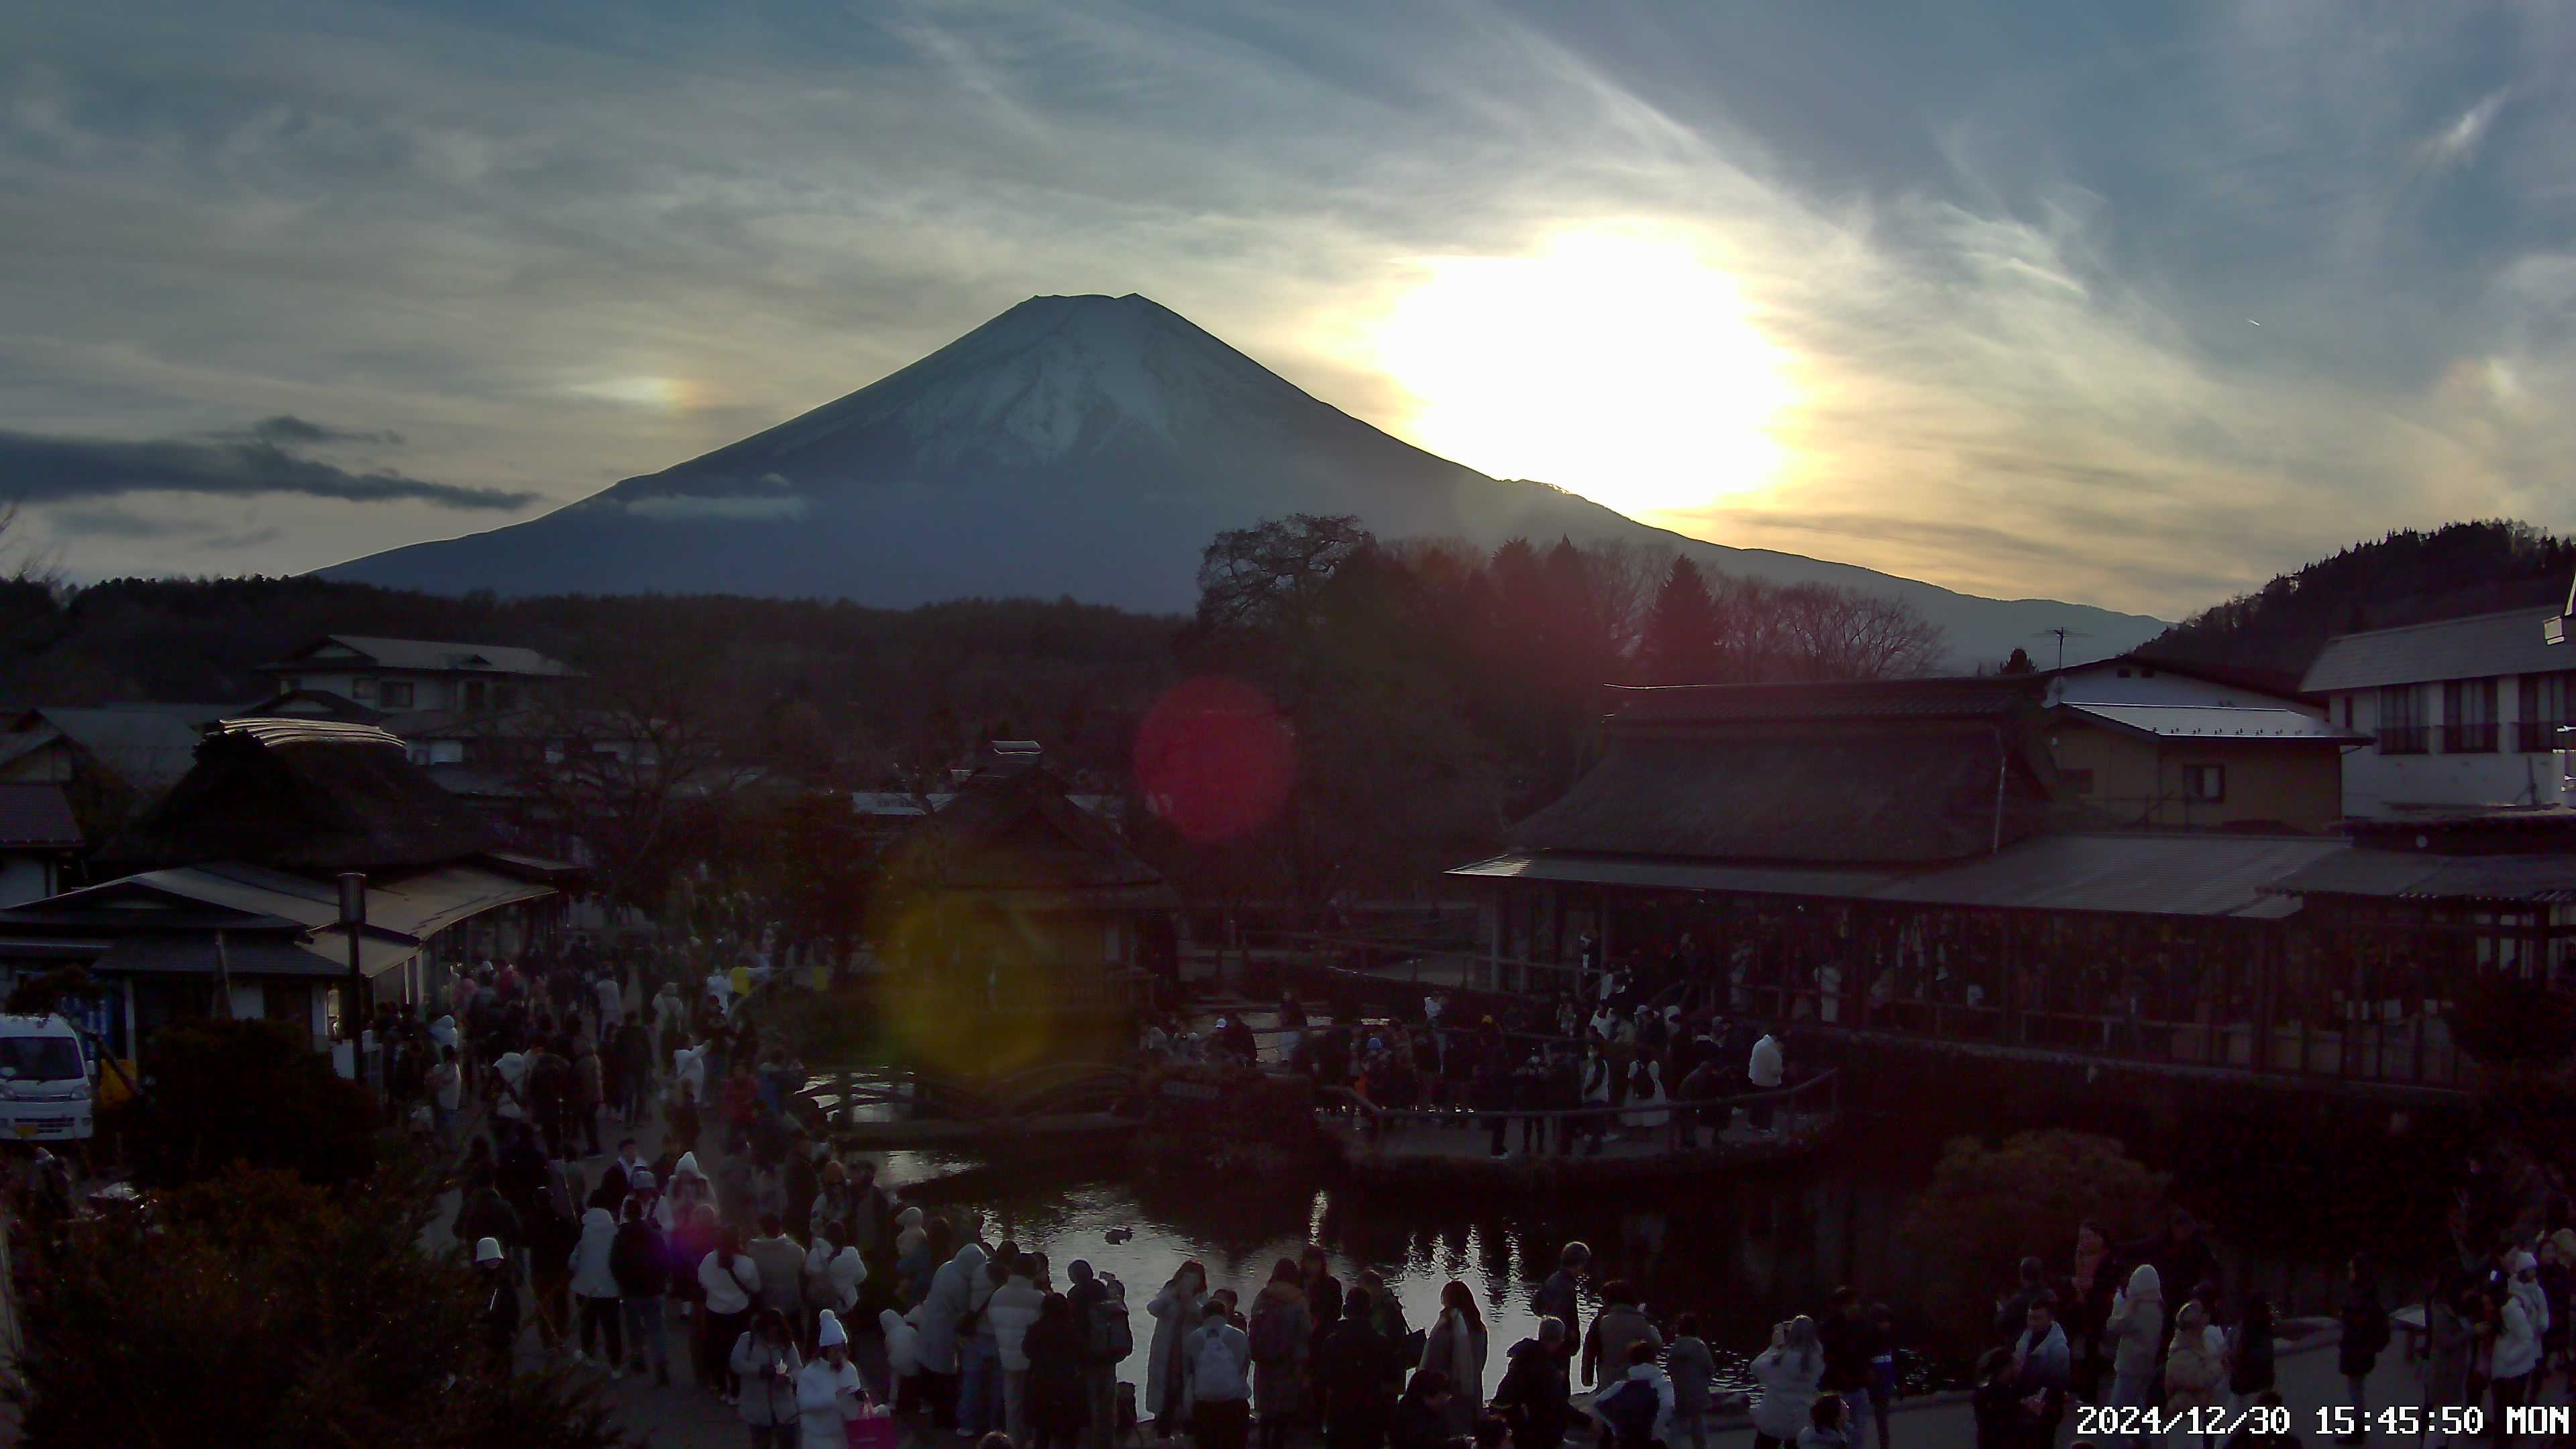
(46, 1083)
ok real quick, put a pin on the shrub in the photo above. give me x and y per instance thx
(252, 1093)
(1988, 1207)
(256, 1309)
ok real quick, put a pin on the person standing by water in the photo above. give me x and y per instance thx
(1178, 1312)
(1766, 1069)
(1355, 1366)
(1691, 1366)
(1848, 1346)
(1561, 1296)
(1282, 1336)
(1788, 1372)
(1619, 1324)
(1456, 1347)
(1055, 1399)
(1217, 1364)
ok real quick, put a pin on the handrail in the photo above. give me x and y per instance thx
(1696, 1104)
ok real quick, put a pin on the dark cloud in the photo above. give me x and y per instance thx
(289, 431)
(110, 521)
(37, 468)
(251, 539)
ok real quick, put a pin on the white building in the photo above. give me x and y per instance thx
(2461, 714)
(393, 676)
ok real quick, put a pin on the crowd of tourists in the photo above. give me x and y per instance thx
(1614, 1061)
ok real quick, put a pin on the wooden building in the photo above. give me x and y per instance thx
(1013, 899)
(1898, 863)
(229, 887)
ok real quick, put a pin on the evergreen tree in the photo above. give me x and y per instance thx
(2020, 663)
(1680, 645)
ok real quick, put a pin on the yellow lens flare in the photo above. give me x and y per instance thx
(1616, 364)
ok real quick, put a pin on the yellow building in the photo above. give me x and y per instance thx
(2147, 745)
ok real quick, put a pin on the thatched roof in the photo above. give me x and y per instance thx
(304, 796)
(1015, 830)
(1904, 773)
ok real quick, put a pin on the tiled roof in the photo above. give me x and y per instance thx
(2224, 722)
(424, 654)
(37, 817)
(1882, 699)
(2481, 647)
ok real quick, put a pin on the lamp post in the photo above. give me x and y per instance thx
(353, 920)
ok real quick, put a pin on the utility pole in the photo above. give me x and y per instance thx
(2063, 634)
(353, 920)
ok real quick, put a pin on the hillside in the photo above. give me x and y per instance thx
(2408, 577)
(1087, 448)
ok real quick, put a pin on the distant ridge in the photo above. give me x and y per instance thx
(1085, 447)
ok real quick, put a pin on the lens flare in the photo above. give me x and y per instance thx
(1214, 758)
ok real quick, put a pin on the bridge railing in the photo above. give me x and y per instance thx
(1805, 1104)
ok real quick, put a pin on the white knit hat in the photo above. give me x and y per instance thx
(830, 1331)
(488, 1250)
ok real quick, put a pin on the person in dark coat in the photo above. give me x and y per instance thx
(1055, 1399)
(2365, 1334)
(499, 1315)
(1356, 1366)
(1422, 1415)
(1323, 1291)
(1537, 1387)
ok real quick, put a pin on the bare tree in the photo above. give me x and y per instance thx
(1772, 633)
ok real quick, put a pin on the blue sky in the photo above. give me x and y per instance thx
(1965, 293)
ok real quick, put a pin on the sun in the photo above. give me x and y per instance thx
(1617, 365)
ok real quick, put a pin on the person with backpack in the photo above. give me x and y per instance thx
(1620, 1323)
(640, 1262)
(1217, 1364)
(1634, 1410)
(2365, 1336)
(1282, 1337)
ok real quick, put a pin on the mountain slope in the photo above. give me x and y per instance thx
(1083, 446)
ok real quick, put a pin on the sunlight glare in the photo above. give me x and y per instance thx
(1615, 365)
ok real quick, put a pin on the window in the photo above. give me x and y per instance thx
(396, 694)
(2544, 708)
(360, 686)
(2401, 719)
(2077, 782)
(2469, 716)
(41, 1059)
(2205, 783)
(475, 696)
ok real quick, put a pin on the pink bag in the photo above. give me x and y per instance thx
(870, 1431)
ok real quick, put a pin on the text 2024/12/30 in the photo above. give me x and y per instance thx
(2109, 1420)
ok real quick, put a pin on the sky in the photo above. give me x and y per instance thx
(2129, 305)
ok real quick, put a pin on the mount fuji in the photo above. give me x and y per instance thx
(1082, 446)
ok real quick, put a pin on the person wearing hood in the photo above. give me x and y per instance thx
(1177, 1314)
(446, 1091)
(1788, 1372)
(2195, 1375)
(1828, 1421)
(1282, 1336)
(828, 1392)
(499, 1315)
(765, 1363)
(639, 1259)
(781, 1260)
(687, 1191)
(1456, 1346)
(2135, 1329)
(1620, 1323)
(2517, 1343)
(1536, 1393)
(979, 1379)
(832, 1279)
(1013, 1310)
(510, 1091)
(594, 1284)
(903, 1353)
(939, 1348)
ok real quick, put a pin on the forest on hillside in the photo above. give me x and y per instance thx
(2408, 577)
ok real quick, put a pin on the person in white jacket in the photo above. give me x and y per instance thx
(941, 1308)
(687, 1190)
(728, 1278)
(1788, 1372)
(828, 1394)
(765, 1363)
(903, 1358)
(2517, 1352)
(594, 1287)
(1012, 1310)
(1176, 1312)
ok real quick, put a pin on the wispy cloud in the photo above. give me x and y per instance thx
(2009, 251)
(39, 469)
